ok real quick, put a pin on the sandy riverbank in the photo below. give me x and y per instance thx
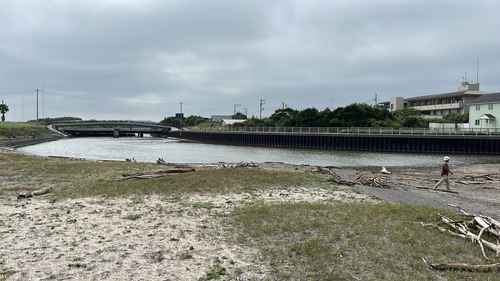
(160, 238)
(155, 238)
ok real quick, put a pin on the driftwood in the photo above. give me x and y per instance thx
(463, 266)
(239, 165)
(34, 193)
(469, 182)
(484, 224)
(328, 171)
(338, 180)
(178, 166)
(161, 161)
(130, 160)
(437, 189)
(372, 180)
(321, 170)
(158, 174)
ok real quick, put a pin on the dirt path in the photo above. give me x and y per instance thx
(478, 187)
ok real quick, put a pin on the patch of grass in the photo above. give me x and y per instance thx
(215, 272)
(78, 265)
(208, 205)
(352, 241)
(133, 217)
(77, 179)
(21, 130)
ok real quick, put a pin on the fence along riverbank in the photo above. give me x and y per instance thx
(396, 142)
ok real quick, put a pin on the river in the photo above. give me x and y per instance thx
(178, 151)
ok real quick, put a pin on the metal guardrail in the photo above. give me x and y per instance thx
(352, 130)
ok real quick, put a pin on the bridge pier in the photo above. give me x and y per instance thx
(116, 132)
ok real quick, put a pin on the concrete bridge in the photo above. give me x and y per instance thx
(115, 128)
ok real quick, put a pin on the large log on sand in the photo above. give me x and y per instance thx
(464, 266)
(34, 193)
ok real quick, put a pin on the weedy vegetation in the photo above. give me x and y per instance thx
(329, 240)
(21, 130)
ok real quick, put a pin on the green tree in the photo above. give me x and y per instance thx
(410, 117)
(211, 124)
(284, 117)
(194, 120)
(239, 115)
(252, 122)
(354, 115)
(3, 109)
(307, 118)
(456, 118)
(171, 121)
(327, 118)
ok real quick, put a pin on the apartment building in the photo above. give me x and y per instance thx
(439, 105)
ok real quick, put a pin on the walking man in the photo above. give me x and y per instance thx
(445, 171)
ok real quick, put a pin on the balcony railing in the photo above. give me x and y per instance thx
(352, 130)
(439, 106)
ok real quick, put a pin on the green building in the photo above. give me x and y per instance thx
(483, 112)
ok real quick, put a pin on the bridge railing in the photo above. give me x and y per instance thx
(353, 130)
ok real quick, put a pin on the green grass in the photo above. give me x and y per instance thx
(75, 179)
(352, 241)
(299, 241)
(21, 130)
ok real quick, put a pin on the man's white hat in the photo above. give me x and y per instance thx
(446, 158)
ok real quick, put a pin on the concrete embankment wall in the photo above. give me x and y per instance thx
(361, 142)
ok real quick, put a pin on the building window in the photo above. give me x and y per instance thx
(478, 107)
(490, 106)
(477, 122)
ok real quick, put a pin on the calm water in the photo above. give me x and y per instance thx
(176, 151)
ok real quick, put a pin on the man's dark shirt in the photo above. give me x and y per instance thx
(444, 169)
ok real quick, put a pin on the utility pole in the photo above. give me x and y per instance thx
(180, 132)
(246, 112)
(262, 102)
(235, 105)
(37, 107)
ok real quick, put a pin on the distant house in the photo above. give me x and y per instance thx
(484, 111)
(229, 122)
(219, 118)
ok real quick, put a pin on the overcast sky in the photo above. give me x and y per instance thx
(139, 60)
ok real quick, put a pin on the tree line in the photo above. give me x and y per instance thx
(353, 115)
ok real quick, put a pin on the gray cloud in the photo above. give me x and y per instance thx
(141, 59)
